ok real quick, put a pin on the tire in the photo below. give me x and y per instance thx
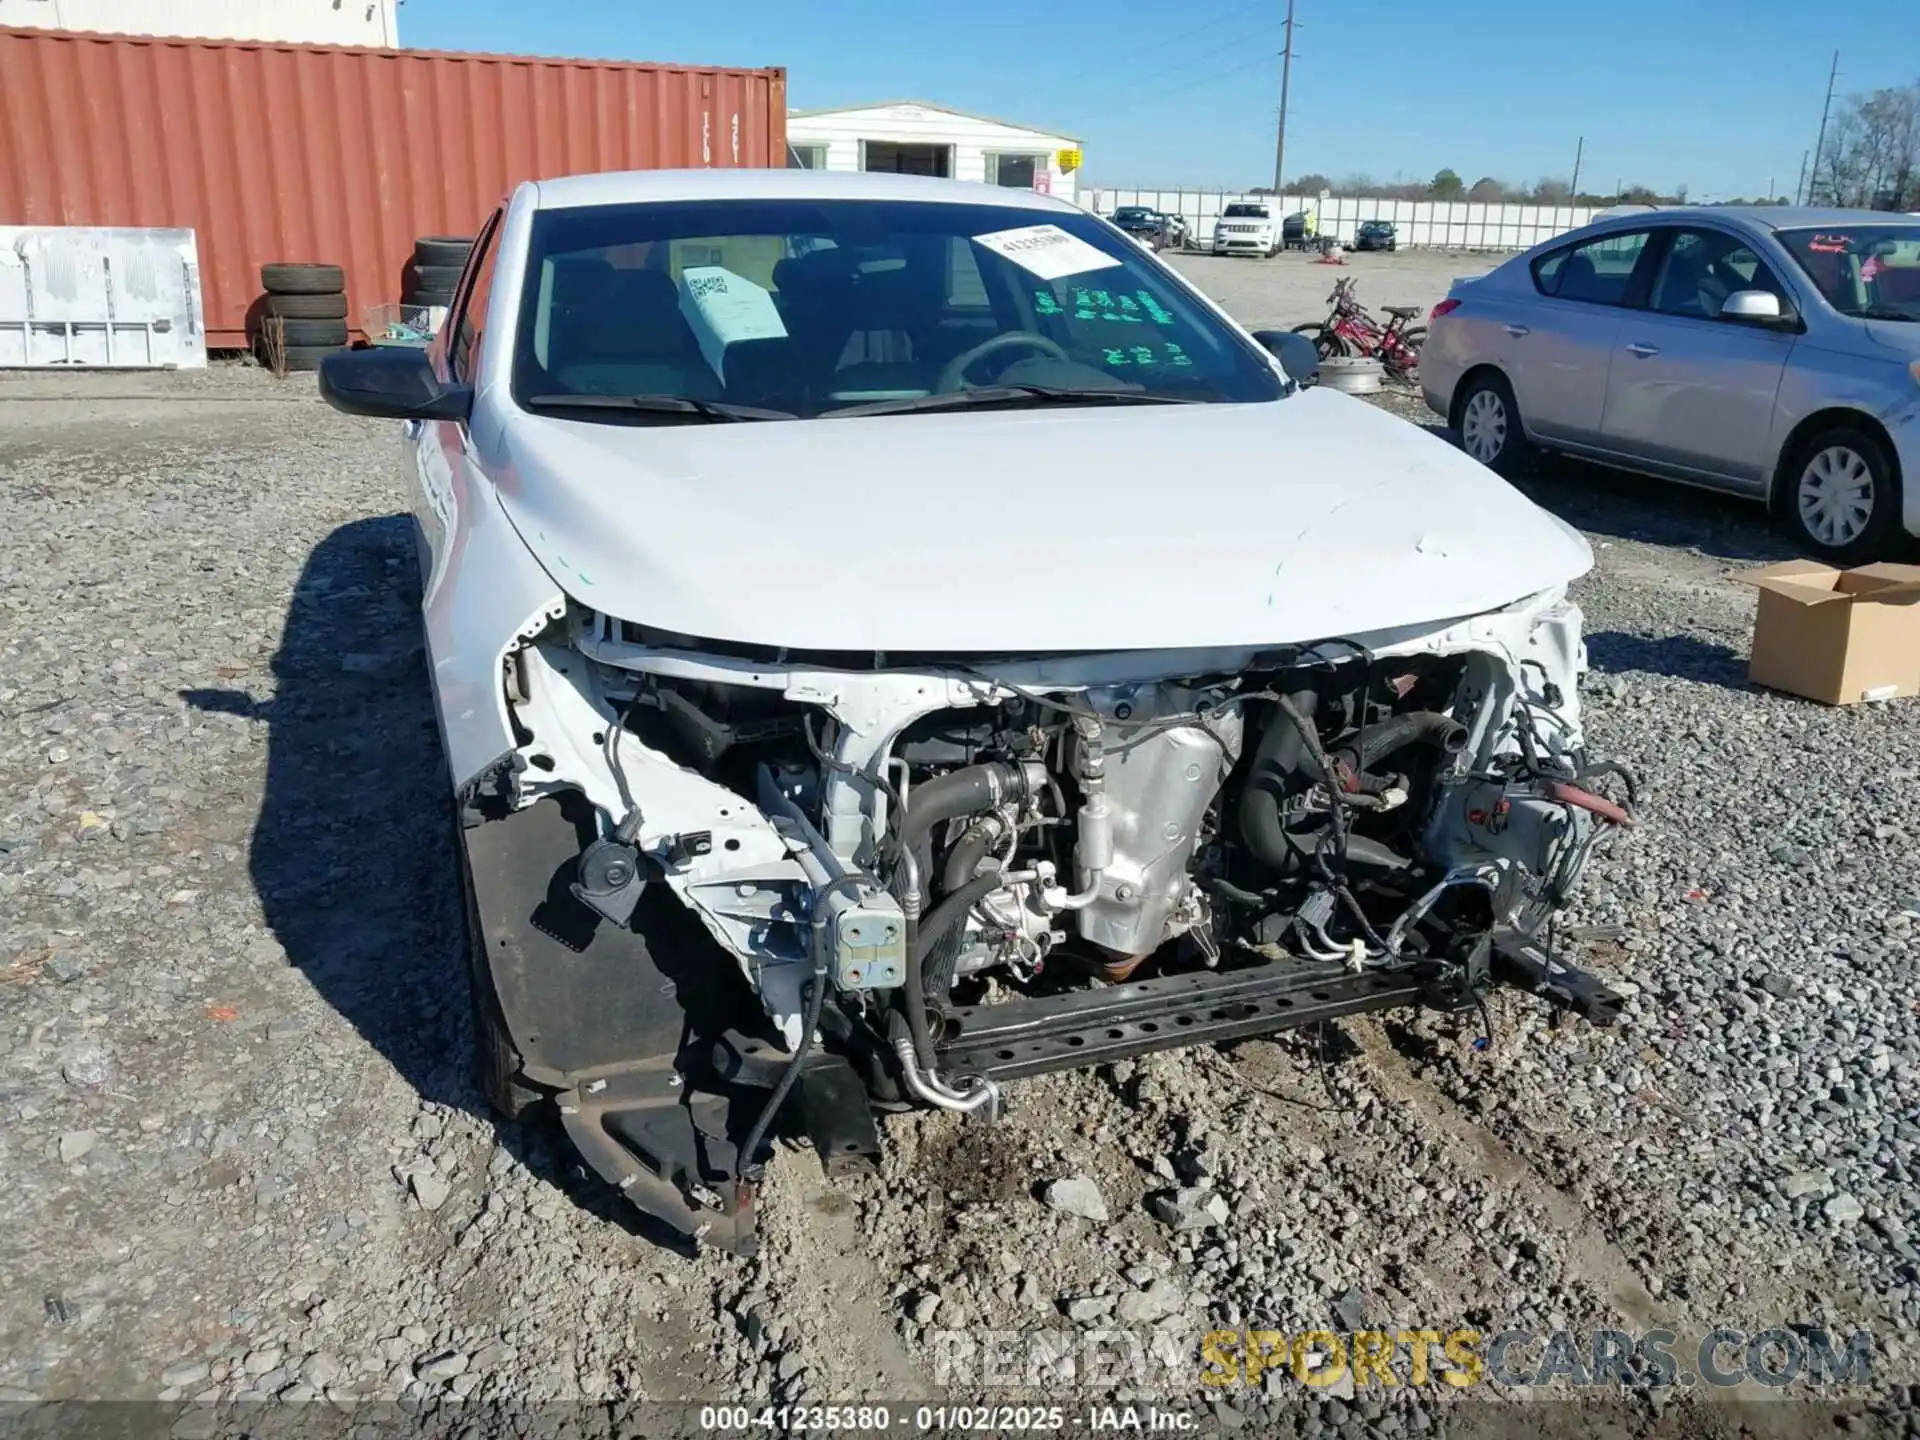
(496, 1063)
(307, 307)
(311, 334)
(308, 357)
(431, 279)
(1414, 338)
(1330, 345)
(1489, 425)
(442, 250)
(302, 278)
(1840, 497)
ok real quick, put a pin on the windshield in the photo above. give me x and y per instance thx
(1244, 212)
(806, 307)
(1129, 212)
(1870, 270)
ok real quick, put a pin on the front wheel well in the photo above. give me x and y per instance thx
(1835, 418)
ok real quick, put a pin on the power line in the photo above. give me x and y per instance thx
(1220, 74)
(1233, 44)
(1160, 47)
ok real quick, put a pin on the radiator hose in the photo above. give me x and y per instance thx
(1284, 765)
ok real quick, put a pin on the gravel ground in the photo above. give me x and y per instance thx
(243, 1158)
(1293, 288)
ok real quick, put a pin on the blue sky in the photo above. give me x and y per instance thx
(1721, 95)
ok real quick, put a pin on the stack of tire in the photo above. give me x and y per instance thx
(310, 303)
(434, 270)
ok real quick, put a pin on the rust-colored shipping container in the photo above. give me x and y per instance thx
(311, 152)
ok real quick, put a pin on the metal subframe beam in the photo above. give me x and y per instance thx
(1116, 1022)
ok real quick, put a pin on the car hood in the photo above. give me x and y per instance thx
(1110, 528)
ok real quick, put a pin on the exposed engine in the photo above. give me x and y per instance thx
(934, 874)
(889, 846)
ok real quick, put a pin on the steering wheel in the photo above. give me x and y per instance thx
(954, 375)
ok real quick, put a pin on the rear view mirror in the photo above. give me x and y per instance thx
(1298, 355)
(1759, 306)
(391, 382)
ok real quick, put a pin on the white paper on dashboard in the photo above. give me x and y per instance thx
(723, 308)
(1046, 251)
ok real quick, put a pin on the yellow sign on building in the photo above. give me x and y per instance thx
(1069, 161)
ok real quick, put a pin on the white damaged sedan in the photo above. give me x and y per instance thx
(891, 637)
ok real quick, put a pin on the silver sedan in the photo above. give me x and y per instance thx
(1768, 352)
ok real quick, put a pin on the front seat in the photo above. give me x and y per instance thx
(636, 342)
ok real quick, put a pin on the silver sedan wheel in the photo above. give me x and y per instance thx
(1836, 496)
(1483, 426)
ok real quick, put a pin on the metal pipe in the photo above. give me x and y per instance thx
(927, 1087)
(1487, 875)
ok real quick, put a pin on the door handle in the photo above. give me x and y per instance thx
(1642, 349)
(1519, 331)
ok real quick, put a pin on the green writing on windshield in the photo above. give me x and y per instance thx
(1114, 309)
(1154, 308)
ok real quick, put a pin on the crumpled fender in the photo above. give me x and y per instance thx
(490, 596)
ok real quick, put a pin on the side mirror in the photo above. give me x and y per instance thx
(391, 382)
(1760, 307)
(1298, 355)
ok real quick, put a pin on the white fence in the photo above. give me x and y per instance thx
(1437, 224)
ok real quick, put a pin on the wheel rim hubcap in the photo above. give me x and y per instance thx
(1836, 496)
(1483, 428)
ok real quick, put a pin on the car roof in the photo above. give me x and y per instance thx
(1765, 217)
(631, 187)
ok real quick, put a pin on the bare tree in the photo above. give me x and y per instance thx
(1872, 158)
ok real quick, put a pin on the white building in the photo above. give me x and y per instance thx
(911, 137)
(317, 22)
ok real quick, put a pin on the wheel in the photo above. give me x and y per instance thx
(308, 357)
(290, 278)
(442, 250)
(306, 307)
(1840, 497)
(1327, 342)
(330, 334)
(1489, 424)
(1413, 338)
(496, 1063)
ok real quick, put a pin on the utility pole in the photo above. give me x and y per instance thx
(1800, 184)
(1832, 75)
(1280, 141)
(1578, 151)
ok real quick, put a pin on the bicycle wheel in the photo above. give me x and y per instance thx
(1328, 342)
(1405, 361)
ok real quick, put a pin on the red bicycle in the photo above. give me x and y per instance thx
(1350, 330)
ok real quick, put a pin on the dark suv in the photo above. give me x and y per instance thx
(1376, 235)
(1157, 229)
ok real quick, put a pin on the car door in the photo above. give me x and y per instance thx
(1693, 389)
(1560, 342)
(446, 470)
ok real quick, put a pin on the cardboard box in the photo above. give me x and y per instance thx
(1836, 636)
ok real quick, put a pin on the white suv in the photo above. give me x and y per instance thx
(1247, 227)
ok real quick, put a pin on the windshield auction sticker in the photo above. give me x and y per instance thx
(1046, 251)
(722, 308)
